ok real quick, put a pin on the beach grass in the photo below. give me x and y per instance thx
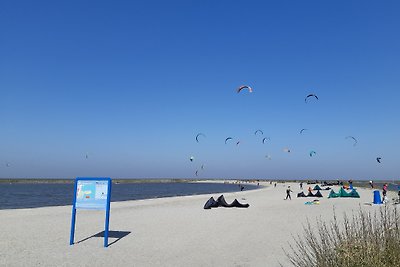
(363, 239)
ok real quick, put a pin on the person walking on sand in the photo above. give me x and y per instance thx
(288, 190)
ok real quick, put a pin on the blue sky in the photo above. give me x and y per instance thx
(131, 83)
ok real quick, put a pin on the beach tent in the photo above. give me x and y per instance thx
(310, 194)
(317, 187)
(332, 194)
(343, 193)
(221, 202)
(211, 203)
(237, 204)
(318, 194)
(354, 193)
(301, 194)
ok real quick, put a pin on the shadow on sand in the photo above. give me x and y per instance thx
(111, 234)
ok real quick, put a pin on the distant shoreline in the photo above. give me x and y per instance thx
(360, 183)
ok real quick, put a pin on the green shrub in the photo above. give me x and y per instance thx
(364, 239)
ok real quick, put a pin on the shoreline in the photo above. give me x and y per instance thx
(36, 195)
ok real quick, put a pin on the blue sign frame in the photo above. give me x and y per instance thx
(93, 193)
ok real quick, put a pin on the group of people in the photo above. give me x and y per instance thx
(384, 190)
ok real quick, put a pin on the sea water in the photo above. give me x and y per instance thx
(34, 195)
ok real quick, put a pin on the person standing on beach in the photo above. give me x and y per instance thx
(371, 184)
(275, 185)
(398, 188)
(301, 185)
(288, 190)
(384, 189)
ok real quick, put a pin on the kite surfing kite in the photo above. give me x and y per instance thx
(244, 87)
(197, 136)
(354, 139)
(197, 173)
(312, 153)
(265, 139)
(191, 158)
(258, 131)
(237, 143)
(268, 157)
(310, 95)
(286, 150)
(378, 159)
(227, 139)
(302, 130)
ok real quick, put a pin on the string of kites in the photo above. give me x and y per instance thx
(229, 139)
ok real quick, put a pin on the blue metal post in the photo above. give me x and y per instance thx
(107, 215)
(71, 239)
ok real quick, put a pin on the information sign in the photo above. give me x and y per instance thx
(93, 194)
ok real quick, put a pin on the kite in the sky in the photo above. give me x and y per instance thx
(237, 143)
(302, 130)
(191, 158)
(378, 159)
(312, 153)
(197, 136)
(286, 150)
(258, 131)
(354, 139)
(244, 87)
(8, 164)
(227, 139)
(310, 95)
(268, 157)
(197, 173)
(265, 139)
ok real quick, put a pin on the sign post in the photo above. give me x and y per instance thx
(91, 194)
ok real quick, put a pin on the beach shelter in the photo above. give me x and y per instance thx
(318, 194)
(301, 194)
(211, 203)
(310, 194)
(317, 187)
(343, 193)
(354, 193)
(332, 194)
(222, 202)
(237, 204)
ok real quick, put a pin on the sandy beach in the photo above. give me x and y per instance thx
(174, 231)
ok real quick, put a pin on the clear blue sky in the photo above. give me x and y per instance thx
(131, 83)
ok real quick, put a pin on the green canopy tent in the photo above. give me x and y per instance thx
(343, 193)
(317, 187)
(332, 194)
(354, 193)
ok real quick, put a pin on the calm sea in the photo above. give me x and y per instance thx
(17, 196)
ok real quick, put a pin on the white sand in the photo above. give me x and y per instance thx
(169, 231)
